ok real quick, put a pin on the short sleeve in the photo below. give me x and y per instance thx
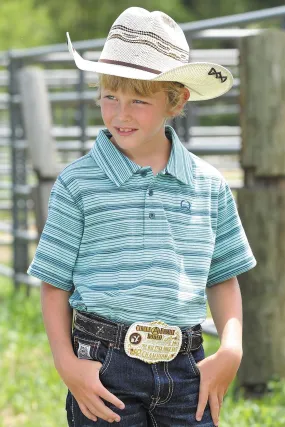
(232, 253)
(60, 240)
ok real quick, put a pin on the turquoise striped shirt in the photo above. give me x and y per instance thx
(133, 246)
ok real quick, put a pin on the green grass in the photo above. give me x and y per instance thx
(32, 394)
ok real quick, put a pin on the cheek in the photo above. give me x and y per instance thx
(106, 112)
(149, 116)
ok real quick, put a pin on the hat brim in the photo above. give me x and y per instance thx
(203, 79)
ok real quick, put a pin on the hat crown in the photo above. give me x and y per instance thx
(151, 46)
(140, 37)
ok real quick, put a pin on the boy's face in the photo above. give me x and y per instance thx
(144, 116)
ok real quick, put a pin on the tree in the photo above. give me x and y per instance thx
(27, 23)
(23, 25)
(204, 9)
(88, 19)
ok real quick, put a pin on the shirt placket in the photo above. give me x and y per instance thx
(151, 209)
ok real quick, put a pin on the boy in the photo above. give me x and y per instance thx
(139, 233)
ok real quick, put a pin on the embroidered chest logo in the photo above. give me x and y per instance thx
(185, 205)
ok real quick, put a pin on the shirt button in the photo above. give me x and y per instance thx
(150, 193)
(151, 215)
(144, 173)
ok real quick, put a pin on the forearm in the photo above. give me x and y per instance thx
(226, 307)
(57, 317)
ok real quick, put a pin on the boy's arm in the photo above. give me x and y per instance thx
(57, 316)
(226, 307)
(218, 371)
(80, 376)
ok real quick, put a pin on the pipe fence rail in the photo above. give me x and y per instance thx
(209, 129)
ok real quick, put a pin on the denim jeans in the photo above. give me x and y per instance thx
(163, 394)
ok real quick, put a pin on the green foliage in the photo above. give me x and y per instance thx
(32, 394)
(93, 18)
(23, 25)
(203, 9)
(237, 411)
(27, 23)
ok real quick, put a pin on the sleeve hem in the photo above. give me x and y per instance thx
(228, 276)
(50, 280)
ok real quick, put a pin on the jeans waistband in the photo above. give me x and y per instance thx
(115, 332)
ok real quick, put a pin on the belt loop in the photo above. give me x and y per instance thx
(189, 343)
(73, 319)
(119, 336)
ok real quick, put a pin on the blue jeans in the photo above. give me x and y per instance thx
(163, 394)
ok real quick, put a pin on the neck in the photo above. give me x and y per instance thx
(153, 153)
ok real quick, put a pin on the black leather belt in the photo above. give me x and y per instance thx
(115, 332)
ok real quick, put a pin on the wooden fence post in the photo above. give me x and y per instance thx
(37, 120)
(262, 206)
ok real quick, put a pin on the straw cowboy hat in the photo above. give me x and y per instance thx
(151, 46)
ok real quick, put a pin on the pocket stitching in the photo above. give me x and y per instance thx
(107, 360)
(193, 363)
(72, 410)
(95, 345)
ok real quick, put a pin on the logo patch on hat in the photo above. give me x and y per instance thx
(218, 75)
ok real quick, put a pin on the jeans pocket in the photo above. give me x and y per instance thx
(193, 364)
(96, 350)
(194, 357)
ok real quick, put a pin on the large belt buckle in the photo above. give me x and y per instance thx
(153, 342)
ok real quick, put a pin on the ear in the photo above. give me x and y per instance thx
(185, 95)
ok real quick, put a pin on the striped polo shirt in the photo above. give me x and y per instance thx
(133, 246)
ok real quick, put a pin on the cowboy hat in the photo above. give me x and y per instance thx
(151, 46)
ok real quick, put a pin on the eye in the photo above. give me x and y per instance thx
(139, 101)
(136, 101)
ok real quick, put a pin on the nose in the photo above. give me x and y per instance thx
(124, 113)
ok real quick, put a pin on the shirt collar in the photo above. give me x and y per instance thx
(180, 162)
(119, 168)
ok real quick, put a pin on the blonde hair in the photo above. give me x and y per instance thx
(142, 88)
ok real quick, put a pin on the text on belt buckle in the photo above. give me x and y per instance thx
(153, 342)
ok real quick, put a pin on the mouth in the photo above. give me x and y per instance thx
(125, 131)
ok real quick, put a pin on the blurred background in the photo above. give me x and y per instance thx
(48, 118)
(27, 23)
